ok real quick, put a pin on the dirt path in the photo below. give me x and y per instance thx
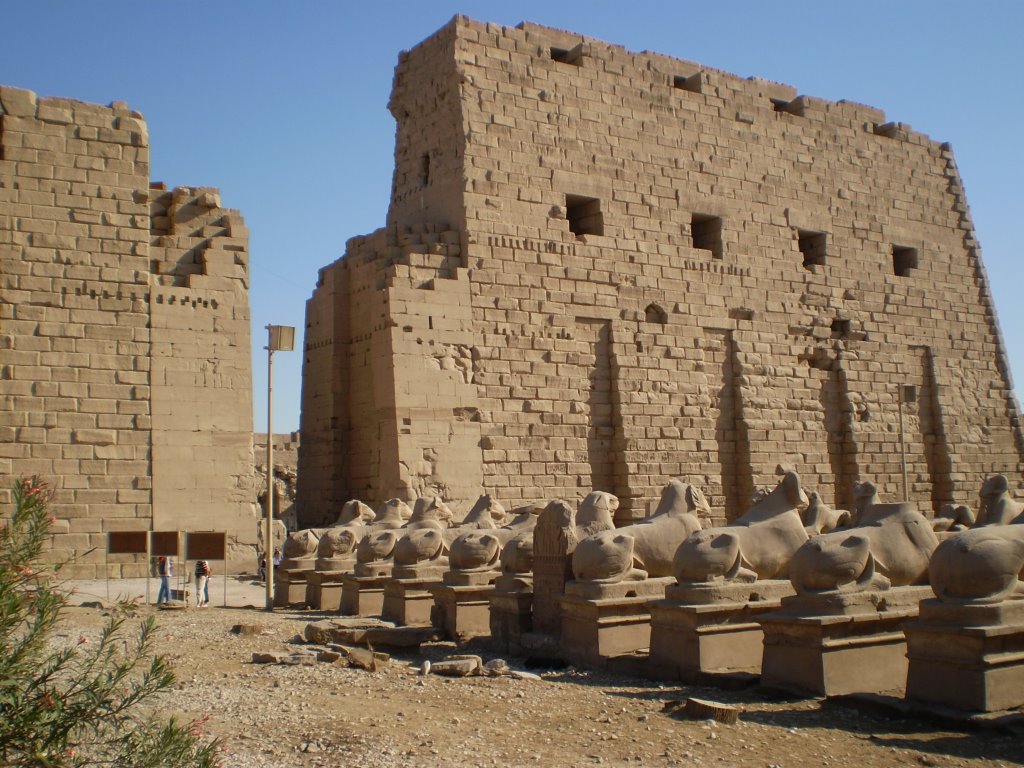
(333, 715)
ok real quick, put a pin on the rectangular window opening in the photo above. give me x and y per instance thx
(706, 232)
(794, 107)
(840, 329)
(691, 83)
(584, 215)
(813, 247)
(903, 260)
(425, 169)
(572, 56)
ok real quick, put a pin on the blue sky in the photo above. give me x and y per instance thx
(283, 105)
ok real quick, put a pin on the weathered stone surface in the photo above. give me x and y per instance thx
(887, 545)
(127, 357)
(645, 549)
(758, 545)
(575, 288)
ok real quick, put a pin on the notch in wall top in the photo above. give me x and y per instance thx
(769, 89)
(692, 83)
(792, 107)
(573, 56)
(893, 130)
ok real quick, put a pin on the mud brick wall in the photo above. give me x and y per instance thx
(125, 372)
(669, 270)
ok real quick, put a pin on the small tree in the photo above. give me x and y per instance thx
(76, 704)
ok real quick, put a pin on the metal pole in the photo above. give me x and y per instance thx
(268, 537)
(903, 444)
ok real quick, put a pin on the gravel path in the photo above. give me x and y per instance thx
(329, 714)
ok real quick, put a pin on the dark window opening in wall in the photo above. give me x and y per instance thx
(840, 329)
(903, 260)
(572, 56)
(706, 232)
(794, 107)
(584, 215)
(425, 169)
(812, 245)
(655, 314)
(691, 83)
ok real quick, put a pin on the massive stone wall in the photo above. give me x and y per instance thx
(126, 368)
(602, 269)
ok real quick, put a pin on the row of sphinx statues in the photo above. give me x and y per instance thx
(787, 533)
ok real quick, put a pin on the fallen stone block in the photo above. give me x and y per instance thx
(458, 666)
(332, 630)
(267, 658)
(391, 637)
(702, 709)
(247, 629)
(360, 658)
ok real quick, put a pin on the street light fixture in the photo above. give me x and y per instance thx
(280, 338)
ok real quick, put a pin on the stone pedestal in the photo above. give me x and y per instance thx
(323, 590)
(839, 643)
(462, 605)
(604, 620)
(462, 612)
(363, 594)
(511, 611)
(967, 657)
(408, 602)
(711, 629)
(290, 587)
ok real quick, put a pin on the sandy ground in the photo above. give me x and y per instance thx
(330, 714)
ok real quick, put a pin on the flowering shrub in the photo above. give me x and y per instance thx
(76, 703)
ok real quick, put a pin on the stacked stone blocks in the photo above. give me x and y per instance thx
(668, 271)
(126, 372)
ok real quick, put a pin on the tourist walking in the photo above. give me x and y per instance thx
(203, 574)
(165, 570)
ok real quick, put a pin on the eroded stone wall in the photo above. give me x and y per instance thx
(668, 270)
(126, 374)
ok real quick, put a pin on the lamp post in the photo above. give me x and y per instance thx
(280, 338)
(907, 393)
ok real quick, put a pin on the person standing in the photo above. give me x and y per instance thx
(165, 570)
(202, 583)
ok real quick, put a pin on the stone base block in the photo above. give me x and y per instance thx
(692, 640)
(462, 612)
(967, 657)
(408, 602)
(455, 578)
(836, 645)
(290, 588)
(362, 595)
(323, 590)
(420, 572)
(511, 616)
(593, 630)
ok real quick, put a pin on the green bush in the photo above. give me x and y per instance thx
(66, 703)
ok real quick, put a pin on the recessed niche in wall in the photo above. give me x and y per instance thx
(813, 247)
(706, 232)
(691, 83)
(840, 328)
(903, 260)
(584, 215)
(655, 314)
(572, 56)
